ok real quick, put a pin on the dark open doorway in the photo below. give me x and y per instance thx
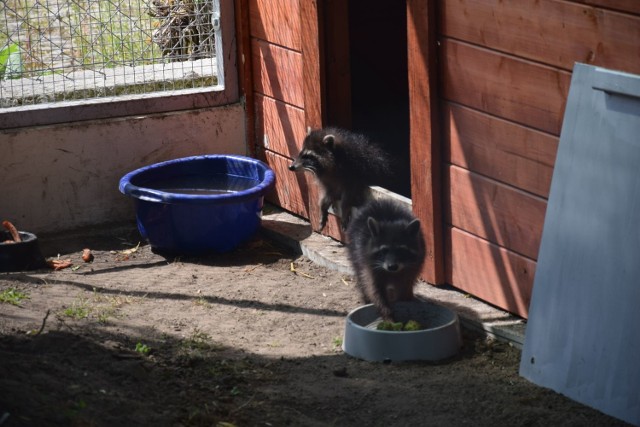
(366, 76)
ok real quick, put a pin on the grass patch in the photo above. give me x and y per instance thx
(13, 296)
(99, 34)
(105, 307)
(98, 306)
(197, 346)
(198, 340)
(79, 309)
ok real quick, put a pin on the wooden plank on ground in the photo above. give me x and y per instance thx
(277, 72)
(496, 212)
(277, 22)
(425, 142)
(554, 32)
(279, 127)
(491, 273)
(521, 91)
(502, 150)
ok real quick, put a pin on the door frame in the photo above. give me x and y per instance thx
(326, 85)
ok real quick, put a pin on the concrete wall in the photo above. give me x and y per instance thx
(60, 177)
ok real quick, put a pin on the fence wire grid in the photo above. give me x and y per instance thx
(57, 50)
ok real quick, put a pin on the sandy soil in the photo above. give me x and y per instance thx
(250, 338)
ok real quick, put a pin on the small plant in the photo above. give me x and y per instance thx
(202, 302)
(78, 310)
(105, 313)
(143, 348)
(104, 307)
(13, 296)
(337, 342)
(75, 408)
(198, 341)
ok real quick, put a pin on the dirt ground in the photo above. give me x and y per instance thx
(249, 338)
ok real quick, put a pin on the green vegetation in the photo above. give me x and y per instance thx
(198, 340)
(411, 325)
(10, 61)
(13, 296)
(85, 35)
(143, 348)
(98, 306)
(337, 342)
(79, 309)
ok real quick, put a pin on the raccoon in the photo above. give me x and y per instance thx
(345, 165)
(387, 250)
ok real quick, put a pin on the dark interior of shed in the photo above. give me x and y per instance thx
(377, 86)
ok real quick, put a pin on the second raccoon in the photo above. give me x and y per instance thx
(387, 251)
(345, 165)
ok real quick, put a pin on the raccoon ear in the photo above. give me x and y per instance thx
(373, 226)
(328, 140)
(413, 227)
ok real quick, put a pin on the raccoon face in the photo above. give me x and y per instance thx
(394, 246)
(307, 160)
(316, 155)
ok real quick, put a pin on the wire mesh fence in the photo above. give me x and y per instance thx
(56, 50)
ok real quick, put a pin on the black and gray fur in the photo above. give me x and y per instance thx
(387, 251)
(345, 165)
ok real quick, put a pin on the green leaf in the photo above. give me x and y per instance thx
(10, 62)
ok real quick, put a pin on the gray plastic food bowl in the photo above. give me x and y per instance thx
(439, 340)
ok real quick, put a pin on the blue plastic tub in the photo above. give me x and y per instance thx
(199, 204)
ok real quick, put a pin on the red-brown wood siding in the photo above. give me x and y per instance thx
(278, 95)
(424, 133)
(505, 70)
(488, 82)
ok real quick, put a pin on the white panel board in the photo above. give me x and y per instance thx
(583, 333)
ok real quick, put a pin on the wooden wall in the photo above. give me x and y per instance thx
(505, 70)
(278, 96)
(493, 80)
(286, 95)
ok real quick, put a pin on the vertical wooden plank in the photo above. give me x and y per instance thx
(311, 54)
(245, 71)
(424, 133)
(312, 84)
